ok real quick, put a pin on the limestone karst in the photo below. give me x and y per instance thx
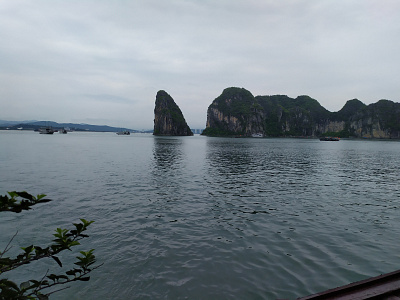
(168, 118)
(236, 112)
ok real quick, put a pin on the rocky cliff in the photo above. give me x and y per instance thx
(378, 120)
(236, 112)
(168, 118)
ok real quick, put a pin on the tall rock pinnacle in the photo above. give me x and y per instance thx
(168, 118)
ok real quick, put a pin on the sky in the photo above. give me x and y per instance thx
(102, 62)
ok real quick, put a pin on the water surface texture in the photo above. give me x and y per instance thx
(208, 218)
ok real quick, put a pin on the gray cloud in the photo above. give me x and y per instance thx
(108, 98)
(106, 60)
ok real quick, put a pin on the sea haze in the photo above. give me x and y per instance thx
(207, 218)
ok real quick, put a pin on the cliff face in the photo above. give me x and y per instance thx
(238, 112)
(168, 118)
(378, 120)
(329, 126)
(234, 112)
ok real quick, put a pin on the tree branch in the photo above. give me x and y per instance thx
(7, 247)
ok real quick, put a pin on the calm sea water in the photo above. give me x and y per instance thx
(208, 218)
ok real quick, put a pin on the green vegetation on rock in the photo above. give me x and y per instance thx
(168, 118)
(235, 101)
(234, 113)
(237, 112)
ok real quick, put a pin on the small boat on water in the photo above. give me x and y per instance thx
(46, 130)
(329, 138)
(126, 132)
(257, 135)
(63, 131)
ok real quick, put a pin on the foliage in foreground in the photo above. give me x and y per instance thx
(64, 240)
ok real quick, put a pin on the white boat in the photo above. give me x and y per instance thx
(46, 130)
(126, 132)
(257, 135)
(63, 131)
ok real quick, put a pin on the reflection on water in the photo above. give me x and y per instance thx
(225, 157)
(167, 168)
(167, 154)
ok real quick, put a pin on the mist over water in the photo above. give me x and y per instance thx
(208, 218)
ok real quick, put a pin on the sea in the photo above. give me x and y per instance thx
(205, 217)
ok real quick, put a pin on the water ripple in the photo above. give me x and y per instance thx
(203, 218)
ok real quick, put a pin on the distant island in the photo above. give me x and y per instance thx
(35, 125)
(236, 112)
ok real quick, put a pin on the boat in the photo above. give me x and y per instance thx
(46, 130)
(329, 138)
(63, 131)
(257, 135)
(126, 132)
(386, 286)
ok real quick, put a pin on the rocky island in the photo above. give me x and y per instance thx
(168, 118)
(236, 112)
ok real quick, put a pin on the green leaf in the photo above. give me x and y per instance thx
(9, 284)
(13, 194)
(53, 277)
(28, 249)
(40, 251)
(44, 282)
(60, 232)
(24, 285)
(26, 195)
(57, 260)
(38, 197)
(84, 278)
(87, 259)
(73, 272)
(86, 223)
(74, 243)
(44, 201)
(79, 227)
(63, 277)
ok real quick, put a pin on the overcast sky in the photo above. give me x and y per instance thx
(102, 62)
